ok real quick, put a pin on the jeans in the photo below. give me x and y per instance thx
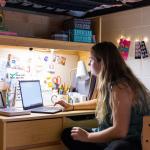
(128, 143)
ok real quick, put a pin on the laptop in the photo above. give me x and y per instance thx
(31, 96)
(11, 111)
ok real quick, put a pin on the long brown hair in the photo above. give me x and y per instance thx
(114, 69)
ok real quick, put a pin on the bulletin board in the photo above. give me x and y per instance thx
(21, 64)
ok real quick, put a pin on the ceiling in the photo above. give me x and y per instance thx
(75, 8)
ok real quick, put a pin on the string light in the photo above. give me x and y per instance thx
(52, 51)
(137, 40)
(121, 37)
(52, 54)
(145, 39)
(118, 41)
(128, 38)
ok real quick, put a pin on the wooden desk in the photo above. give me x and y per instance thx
(38, 131)
(146, 133)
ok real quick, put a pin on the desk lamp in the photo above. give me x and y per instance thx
(81, 72)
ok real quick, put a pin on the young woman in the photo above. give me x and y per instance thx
(121, 104)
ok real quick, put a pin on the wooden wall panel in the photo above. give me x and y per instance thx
(33, 25)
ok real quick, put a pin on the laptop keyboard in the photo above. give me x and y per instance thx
(51, 109)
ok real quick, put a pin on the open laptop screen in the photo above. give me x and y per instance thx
(31, 94)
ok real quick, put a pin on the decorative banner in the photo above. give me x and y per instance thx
(137, 50)
(140, 50)
(144, 52)
(123, 48)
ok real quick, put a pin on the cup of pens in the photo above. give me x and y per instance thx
(10, 98)
(58, 97)
(62, 97)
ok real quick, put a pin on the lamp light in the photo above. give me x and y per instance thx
(81, 70)
(145, 39)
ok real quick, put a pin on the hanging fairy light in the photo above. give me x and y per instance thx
(145, 39)
(52, 55)
(137, 40)
(118, 41)
(128, 38)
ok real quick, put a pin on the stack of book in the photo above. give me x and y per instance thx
(62, 36)
(79, 30)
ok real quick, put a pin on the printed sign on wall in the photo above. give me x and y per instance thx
(140, 50)
(123, 48)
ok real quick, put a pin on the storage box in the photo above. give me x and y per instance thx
(62, 37)
(77, 23)
(80, 32)
(78, 38)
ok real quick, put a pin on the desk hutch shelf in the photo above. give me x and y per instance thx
(43, 43)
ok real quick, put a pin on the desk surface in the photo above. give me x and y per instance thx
(44, 116)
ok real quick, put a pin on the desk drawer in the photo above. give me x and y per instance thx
(56, 147)
(35, 132)
(90, 123)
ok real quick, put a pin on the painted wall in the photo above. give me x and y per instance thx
(134, 24)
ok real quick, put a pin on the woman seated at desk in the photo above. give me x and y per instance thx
(120, 106)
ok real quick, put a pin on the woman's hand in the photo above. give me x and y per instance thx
(66, 106)
(79, 134)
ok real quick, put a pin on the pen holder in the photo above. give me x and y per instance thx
(4, 88)
(57, 97)
(75, 97)
(10, 98)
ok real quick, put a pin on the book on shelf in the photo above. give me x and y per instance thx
(8, 33)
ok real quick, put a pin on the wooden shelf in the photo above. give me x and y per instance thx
(43, 43)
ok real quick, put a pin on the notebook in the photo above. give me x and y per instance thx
(11, 111)
(31, 96)
(14, 111)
